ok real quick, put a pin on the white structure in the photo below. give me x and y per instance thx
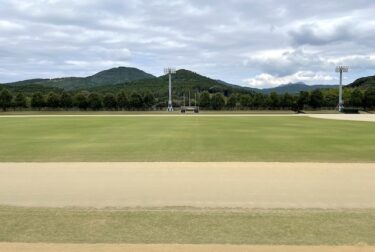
(170, 71)
(185, 109)
(341, 69)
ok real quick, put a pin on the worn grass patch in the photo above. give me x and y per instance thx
(188, 226)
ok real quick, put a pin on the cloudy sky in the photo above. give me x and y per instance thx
(259, 43)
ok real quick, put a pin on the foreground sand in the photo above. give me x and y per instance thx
(232, 185)
(40, 247)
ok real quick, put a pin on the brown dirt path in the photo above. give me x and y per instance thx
(347, 117)
(216, 185)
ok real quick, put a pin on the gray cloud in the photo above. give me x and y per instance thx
(239, 41)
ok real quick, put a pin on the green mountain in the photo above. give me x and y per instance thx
(132, 79)
(183, 82)
(291, 88)
(364, 82)
(129, 80)
(28, 82)
(295, 88)
(108, 77)
(118, 75)
(29, 89)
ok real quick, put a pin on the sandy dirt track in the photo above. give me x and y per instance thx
(22, 247)
(347, 117)
(216, 185)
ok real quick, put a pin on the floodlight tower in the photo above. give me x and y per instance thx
(170, 71)
(341, 69)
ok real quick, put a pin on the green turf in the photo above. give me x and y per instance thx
(282, 227)
(186, 139)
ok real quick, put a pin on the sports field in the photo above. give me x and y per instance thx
(198, 139)
(71, 182)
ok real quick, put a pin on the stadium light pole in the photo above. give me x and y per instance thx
(170, 71)
(341, 70)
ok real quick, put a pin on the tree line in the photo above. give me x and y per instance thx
(316, 99)
(83, 100)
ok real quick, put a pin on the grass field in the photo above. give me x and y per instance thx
(285, 139)
(188, 226)
(186, 138)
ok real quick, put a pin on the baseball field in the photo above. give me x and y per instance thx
(181, 138)
(186, 183)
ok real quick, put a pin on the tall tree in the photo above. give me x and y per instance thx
(259, 100)
(53, 100)
(66, 100)
(232, 102)
(331, 98)
(148, 100)
(20, 101)
(303, 100)
(356, 98)
(274, 100)
(94, 101)
(287, 101)
(5, 99)
(204, 100)
(316, 99)
(369, 98)
(122, 100)
(217, 101)
(135, 101)
(80, 101)
(37, 101)
(109, 101)
(245, 101)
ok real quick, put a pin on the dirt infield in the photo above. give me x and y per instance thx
(232, 185)
(348, 117)
(40, 247)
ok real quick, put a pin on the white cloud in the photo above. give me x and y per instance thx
(230, 40)
(288, 61)
(6, 25)
(267, 80)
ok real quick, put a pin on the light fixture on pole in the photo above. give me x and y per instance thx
(341, 69)
(170, 71)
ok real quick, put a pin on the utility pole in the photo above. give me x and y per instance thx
(341, 70)
(170, 71)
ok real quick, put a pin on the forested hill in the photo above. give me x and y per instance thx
(29, 89)
(135, 80)
(364, 82)
(152, 93)
(295, 88)
(291, 88)
(108, 77)
(183, 82)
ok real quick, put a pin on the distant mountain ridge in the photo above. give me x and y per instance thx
(183, 82)
(128, 78)
(291, 88)
(108, 77)
(294, 88)
(364, 82)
